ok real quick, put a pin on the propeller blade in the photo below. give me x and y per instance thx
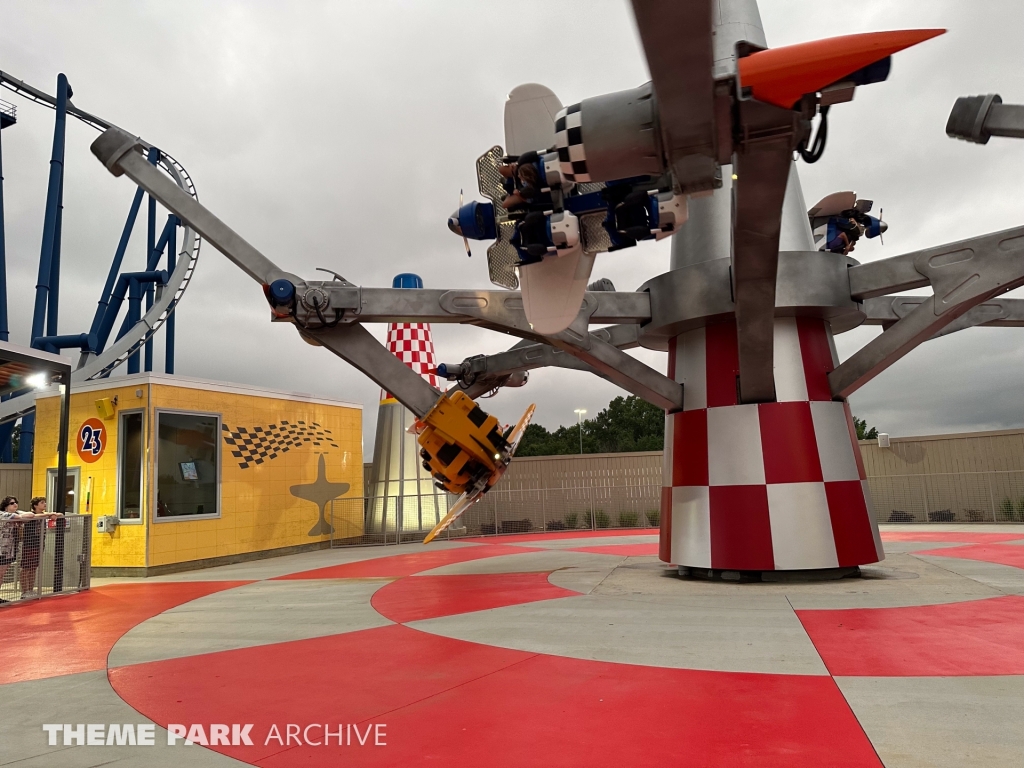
(465, 240)
(881, 218)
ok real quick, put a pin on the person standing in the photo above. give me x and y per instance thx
(10, 518)
(31, 543)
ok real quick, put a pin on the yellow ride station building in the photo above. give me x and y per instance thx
(182, 473)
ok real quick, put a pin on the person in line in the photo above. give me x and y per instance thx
(9, 527)
(13, 521)
(31, 543)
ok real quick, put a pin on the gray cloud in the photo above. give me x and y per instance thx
(339, 135)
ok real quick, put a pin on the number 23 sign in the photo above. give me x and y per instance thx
(92, 439)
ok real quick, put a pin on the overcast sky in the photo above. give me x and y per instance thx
(339, 134)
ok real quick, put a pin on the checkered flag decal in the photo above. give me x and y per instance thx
(256, 445)
(411, 343)
(572, 157)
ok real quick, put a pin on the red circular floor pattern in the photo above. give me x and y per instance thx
(454, 703)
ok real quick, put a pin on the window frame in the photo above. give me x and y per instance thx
(141, 520)
(156, 517)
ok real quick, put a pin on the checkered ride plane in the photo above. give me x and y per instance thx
(762, 471)
(613, 170)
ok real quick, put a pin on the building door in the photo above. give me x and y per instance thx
(71, 486)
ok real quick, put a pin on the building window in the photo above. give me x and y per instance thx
(187, 465)
(129, 469)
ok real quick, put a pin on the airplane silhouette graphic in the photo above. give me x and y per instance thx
(321, 492)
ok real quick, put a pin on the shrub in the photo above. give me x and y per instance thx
(1020, 509)
(487, 529)
(572, 520)
(1006, 508)
(556, 525)
(628, 520)
(654, 517)
(601, 519)
(517, 526)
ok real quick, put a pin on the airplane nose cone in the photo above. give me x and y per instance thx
(453, 224)
(883, 227)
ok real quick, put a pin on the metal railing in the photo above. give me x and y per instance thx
(380, 520)
(589, 507)
(954, 497)
(582, 507)
(949, 497)
(41, 558)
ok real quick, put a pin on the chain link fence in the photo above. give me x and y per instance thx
(951, 497)
(380, 520)
(40, 558)
(583, 508)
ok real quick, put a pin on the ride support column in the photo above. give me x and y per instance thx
(763, 486)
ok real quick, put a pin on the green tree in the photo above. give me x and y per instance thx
(863, 433)
(627, 424)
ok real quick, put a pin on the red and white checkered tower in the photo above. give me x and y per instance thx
(763, 486)
(401, 487)
(772, 486)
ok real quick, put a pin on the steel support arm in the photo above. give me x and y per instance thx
(484, 372)
(357, 346)
(963, 275)
(978, 118)
(606, 360)
(121, 153)
(761, 166)
(502, 310)
(886, 311)
(623, 370)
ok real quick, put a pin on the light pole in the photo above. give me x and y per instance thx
(579, 417)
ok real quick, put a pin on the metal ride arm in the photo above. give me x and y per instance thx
(119, 152)
(963, 275)
(886, 311)
(481, 374)
(978, 118)
(321, 307)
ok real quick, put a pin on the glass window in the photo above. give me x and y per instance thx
(129, 470)
(187, 463)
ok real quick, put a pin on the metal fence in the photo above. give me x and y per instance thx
(951, 497)
(954, 497)
(380, 520)
(43, 558)
(588, 507)
(581, 507)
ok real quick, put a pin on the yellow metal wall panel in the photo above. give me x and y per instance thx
(126, 546)
(258, 509)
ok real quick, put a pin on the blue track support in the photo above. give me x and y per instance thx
(3, 287)
(25, 443)
(153, 156)
(54, 344)
(121, 289)
(53, 301)
(115, 269)
(52, 205)
(6, 452)
(172, 248)
(134, 314)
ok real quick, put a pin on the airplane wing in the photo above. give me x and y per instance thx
(680, 56)
(553, 289)
(470, 498)
(832, 205)
(530, 118)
